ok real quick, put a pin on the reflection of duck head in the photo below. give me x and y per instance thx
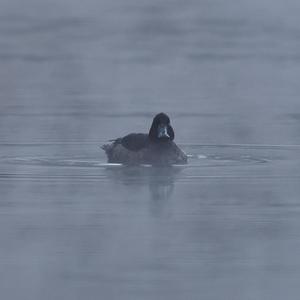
(160, 179)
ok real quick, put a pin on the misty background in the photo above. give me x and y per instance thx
(74, 74)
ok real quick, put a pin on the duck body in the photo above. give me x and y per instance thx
(155, 148)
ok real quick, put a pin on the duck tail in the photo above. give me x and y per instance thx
(105, 147)
(108, 148)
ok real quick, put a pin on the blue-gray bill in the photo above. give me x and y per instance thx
(163, 132)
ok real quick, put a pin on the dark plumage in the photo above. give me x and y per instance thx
(156, 147)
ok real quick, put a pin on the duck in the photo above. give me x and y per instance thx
(155, 148)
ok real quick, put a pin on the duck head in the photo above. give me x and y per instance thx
(161, 130)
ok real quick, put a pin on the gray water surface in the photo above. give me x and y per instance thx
(75, 74)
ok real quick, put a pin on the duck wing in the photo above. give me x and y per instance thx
(134, 141)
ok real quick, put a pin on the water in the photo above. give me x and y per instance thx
(77, 73)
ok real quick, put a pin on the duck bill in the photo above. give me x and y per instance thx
(163, 132)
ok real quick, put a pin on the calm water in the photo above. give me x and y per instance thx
(77, 73)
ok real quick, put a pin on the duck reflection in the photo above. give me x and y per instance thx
(159, 179)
